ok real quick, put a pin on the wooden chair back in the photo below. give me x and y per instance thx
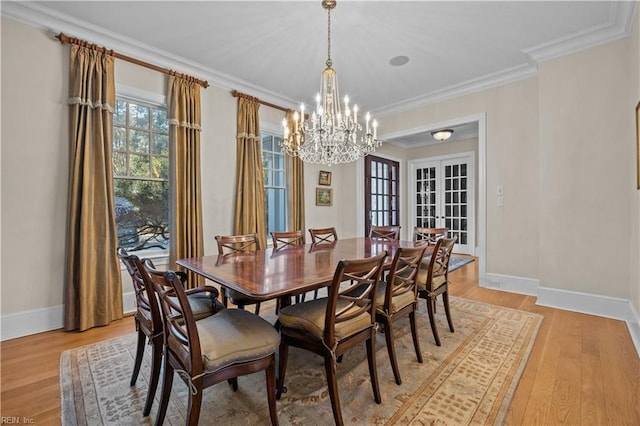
(288, 239)
(439, 263)
(147, 306)
(360, 278)
(179, 321)
(428, 236)
(402, 274)
(323, 235)
(388, 233)
(237, 243)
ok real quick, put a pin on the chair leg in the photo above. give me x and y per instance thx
(432, 321)
(332, 385)
(445, 299)
(167, 382)
(414, 333)
(233, 383)
(373, 372)
(194, 403)
(283, 353)
(156, 362)
(388, 335)
(271, 390)
(142, 339)
(258, 308)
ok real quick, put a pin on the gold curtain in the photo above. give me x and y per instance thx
(93, 291)
(250, 214)
(184, 119)
(295, 176)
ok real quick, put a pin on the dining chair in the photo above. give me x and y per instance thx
(434, 281)
(148, 320)
(232, 343)
(332, 325)
(323, 235)
(397, 298)
(229, 246)
(283, 241)
(287, 239)
(388, 233)
(428, 236)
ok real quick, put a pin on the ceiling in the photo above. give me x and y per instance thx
(276, 50)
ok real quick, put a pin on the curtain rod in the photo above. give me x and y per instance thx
(237, 94)
(65, 39)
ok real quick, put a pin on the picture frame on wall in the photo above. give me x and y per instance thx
(324, 178)
(638, 144)
(324, 197)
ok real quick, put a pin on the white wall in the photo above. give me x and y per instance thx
(562, 144)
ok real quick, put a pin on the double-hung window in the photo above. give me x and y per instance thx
(141, 174)
(275, 184)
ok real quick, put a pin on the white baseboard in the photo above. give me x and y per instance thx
(33, 321)
(520, 285)
(593, 304)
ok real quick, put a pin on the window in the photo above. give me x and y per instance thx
(275, 184)
(141, 174)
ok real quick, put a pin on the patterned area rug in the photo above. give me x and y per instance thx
(470, 379)
(458, 262)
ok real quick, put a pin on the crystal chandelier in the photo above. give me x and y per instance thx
(329, 136)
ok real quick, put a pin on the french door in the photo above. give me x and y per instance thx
(382, 186)
(443, 195)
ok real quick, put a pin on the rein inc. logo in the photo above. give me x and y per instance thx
(6, 420)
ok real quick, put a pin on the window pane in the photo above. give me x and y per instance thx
(278, 178)
(160, 145)
(138, 116)
(278, 161)
(160, 121)
(119, 164)
(142, 213)
(267, 144)
(160, 167)
(120, 114)
(119, 139)
(138, 141)
(139, 165)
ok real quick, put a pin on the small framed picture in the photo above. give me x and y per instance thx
(324, 197)
(325, 178)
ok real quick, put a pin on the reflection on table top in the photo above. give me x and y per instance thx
(272, 273)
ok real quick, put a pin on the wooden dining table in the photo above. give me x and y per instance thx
(277, 273)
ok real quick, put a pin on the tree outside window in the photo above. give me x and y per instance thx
(141, 174)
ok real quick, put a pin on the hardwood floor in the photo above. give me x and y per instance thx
(583, 370)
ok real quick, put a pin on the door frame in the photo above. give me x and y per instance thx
(411, 199)
(481, 222)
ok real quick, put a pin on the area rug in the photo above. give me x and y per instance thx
(458, 262)
(470, 379)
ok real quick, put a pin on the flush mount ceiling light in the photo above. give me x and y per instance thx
(330, 136)
(442, 135)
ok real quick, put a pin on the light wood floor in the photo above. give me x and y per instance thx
(583, 370)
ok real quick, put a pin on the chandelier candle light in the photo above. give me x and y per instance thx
(328, 136)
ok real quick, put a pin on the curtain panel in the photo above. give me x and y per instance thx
(295, 176)
(93, 288)
(250, 210)
(184, 117)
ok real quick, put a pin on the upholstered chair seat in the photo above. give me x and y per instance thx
(310, 317)
(397, 302)
(232, 336)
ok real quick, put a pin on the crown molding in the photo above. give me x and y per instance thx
(618, 26)
(53, 22)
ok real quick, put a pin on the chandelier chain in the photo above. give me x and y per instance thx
(329, 135)
(329, 62)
